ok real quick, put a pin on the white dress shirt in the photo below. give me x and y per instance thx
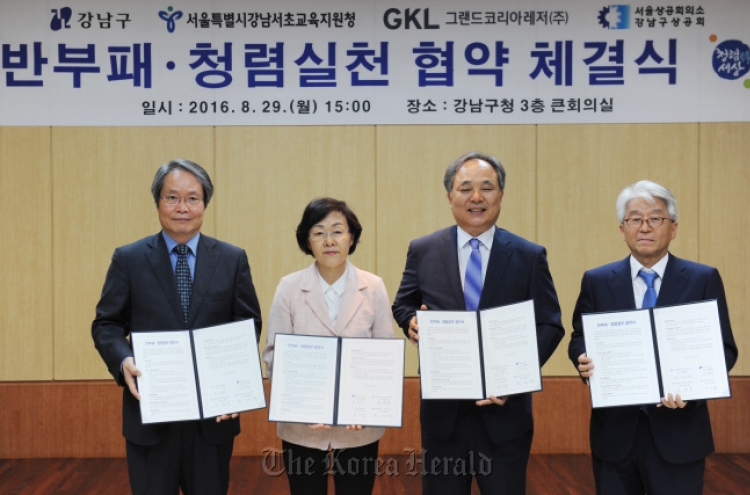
(639, 285)
(464, 250)
(332, 294)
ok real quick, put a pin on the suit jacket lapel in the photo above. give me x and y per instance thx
(674, 282)
(158, 258)
(621, 285)
(496, 266)
(351, 300)
(449, 253)
(313, 295)
(205, 266)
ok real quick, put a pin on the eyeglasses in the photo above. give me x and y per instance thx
(320, 235)
(653, 222)
(174, 200)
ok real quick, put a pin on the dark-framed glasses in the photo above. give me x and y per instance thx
(653, 222)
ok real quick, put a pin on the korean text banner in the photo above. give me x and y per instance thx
(329, 62)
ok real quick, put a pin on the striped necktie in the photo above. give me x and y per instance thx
(473, 277)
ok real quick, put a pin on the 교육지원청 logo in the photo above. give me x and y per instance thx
(170, 17)
(615, 17)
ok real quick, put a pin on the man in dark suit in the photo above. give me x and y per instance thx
(655, 448)
(490, 438)
(141, 293)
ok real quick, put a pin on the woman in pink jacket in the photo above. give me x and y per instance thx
(331, 297)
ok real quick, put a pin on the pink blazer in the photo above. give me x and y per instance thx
(299, 307)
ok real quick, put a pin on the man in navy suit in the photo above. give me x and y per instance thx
(490, 438)
(657, 449)
(141, 293)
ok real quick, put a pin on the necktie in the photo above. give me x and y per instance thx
(182, 277)
(649, 298)
(473, 277)
(649, 301)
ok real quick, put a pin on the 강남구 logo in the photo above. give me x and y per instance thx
(61, 18)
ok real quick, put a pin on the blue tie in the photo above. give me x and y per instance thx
(649, 298)
(473, 277)
(182, 277)
(649, 301)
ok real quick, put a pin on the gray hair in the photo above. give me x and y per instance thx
(452, 170)
(180, 164)
(650, 191)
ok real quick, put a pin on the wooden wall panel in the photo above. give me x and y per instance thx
(562, 184)
(265, 176)
(25, 254)
(82, 419)
(411, 162)
(724, 180)
(101, 199)
(581, 170)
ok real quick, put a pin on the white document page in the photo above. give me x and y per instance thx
(692, 351)
(449, 363)
(167, 383)
(304, 379)
(229, 375)
(511, 358)
(621, 346)
(371, 382)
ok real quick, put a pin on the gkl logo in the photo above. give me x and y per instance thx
(61, 18)
(170, 17)
(615, 17)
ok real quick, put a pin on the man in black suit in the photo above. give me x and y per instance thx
(141, 293)
(490, 438)
(656, 448)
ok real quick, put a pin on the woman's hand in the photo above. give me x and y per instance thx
(319, 426)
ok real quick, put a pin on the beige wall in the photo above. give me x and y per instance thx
(69, 196)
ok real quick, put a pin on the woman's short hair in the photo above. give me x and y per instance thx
(316, 211)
